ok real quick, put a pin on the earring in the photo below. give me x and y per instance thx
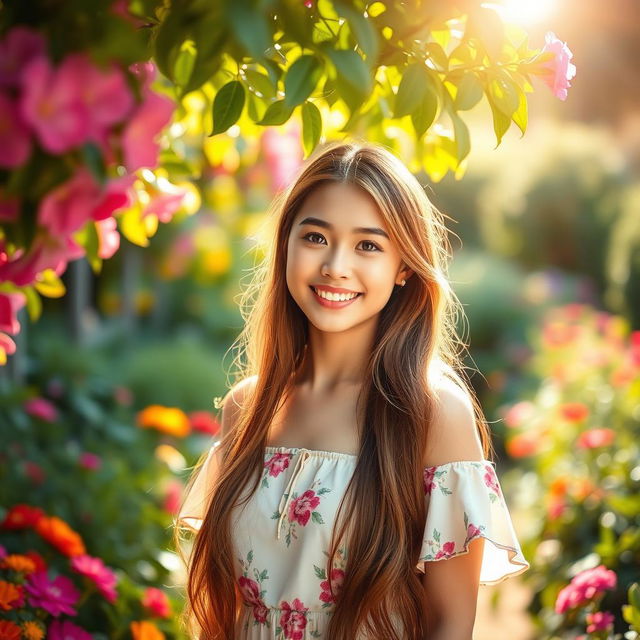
(403, 282)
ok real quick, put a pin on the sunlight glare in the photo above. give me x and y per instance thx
(525, 11)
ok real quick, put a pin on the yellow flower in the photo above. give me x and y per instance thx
(169, 420)
(145, 630)
(32, 630)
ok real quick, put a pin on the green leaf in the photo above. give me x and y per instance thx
(363, 30)
(412, 89)
(437, 56)
(424, 114)
(250, 27)
(352, 69)
(461, 132)
(469, 92)
(311, 126)
(184, 64)
(520, 115)
(260, 82)
(94, 161)
(227, 106)
(256, 107)
(501, 123)
(301, 79)
(504, 94)
(277, 113)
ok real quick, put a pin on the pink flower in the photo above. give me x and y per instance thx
(46, 252)
(428, 476)
(518, 413)
(10, 304)
(15, 139)
(584, 587)
(172, 497)
(447, 550)
(301, 507)
(593, 438)
(250, 590)
(166, 199)
(293, 619)
(20, 46)
(599, 621)
(108, 237)
(55, 596)
(66, 630)
(3, 552)
(491, 480)
(277, 463)
(7, 347)
(67, 207)
(283, 154)
(337, 579)
(51, 104)
(9, 211)
(90, 461)
(139, 144)
(41, 408)
(145, 71)
(561, 69)
(94, 569)
(472, 532)
(156, 602)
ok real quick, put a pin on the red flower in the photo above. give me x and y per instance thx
(277, 463)
(293, 619)
(574, 411)
(337, 578)
(447, 550)
(250, 590)
(22, 516)
(428, 475)
(260, 612)
(204, 422)
(156, 602)
(301, 507)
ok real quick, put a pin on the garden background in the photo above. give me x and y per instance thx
(141, 143)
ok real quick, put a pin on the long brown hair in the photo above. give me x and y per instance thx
(416, 336)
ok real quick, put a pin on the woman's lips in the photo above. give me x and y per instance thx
(333, 304)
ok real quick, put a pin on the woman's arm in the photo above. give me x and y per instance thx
(451, 585)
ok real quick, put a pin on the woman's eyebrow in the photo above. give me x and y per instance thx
(327, 225)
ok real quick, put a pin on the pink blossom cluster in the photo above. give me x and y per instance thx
(560, 68)
(584, 587)
(60, 107)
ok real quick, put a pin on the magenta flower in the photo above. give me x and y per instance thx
(94, 569)
(447, 550)
(560, 66)
(277, 463)
(90, 461)
(15, 140)
(166, 199)
(156, 602)
(55, 596)
(108, 237)
(46, 252)
(20, 46)
(67, 207)
(66, 630)
(10, 304)
(52, 105)
(41, 408)
(139, 145)
(584, 587)
(9, 212)
(599, 621)
(145, 71)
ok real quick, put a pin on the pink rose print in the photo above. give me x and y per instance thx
(260, 612)
(429, 484)
(277, 463)
(491, 480)
(472, 531)
(250, 590)
(337, 578)
(447, 550)
(293, 619)
(301, 507)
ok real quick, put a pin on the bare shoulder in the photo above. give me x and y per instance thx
(233, 402)
(453, 432)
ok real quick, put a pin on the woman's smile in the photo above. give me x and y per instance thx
(332, 300)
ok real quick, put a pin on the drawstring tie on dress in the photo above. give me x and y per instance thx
(282, 508)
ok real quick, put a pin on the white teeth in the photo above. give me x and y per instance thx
(335, 296)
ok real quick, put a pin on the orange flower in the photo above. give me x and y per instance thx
(522, 445)
(169, 420)
(145, 630)
(9, 630)
(32, 630)
(10, 595)
(18, 562)
(559, 486)
(574, 411)
(22, 516)
(58, 533)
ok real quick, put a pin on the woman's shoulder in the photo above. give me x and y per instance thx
(234, 401)
(453, 432)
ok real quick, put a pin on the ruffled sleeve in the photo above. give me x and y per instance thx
(465, 502)
(195, 502)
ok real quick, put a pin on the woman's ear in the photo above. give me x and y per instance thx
(405, 273)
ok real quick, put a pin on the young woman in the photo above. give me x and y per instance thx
(351, 494)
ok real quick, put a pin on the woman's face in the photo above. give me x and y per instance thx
(339, 241)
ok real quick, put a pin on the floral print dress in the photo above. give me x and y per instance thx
(282, 534)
